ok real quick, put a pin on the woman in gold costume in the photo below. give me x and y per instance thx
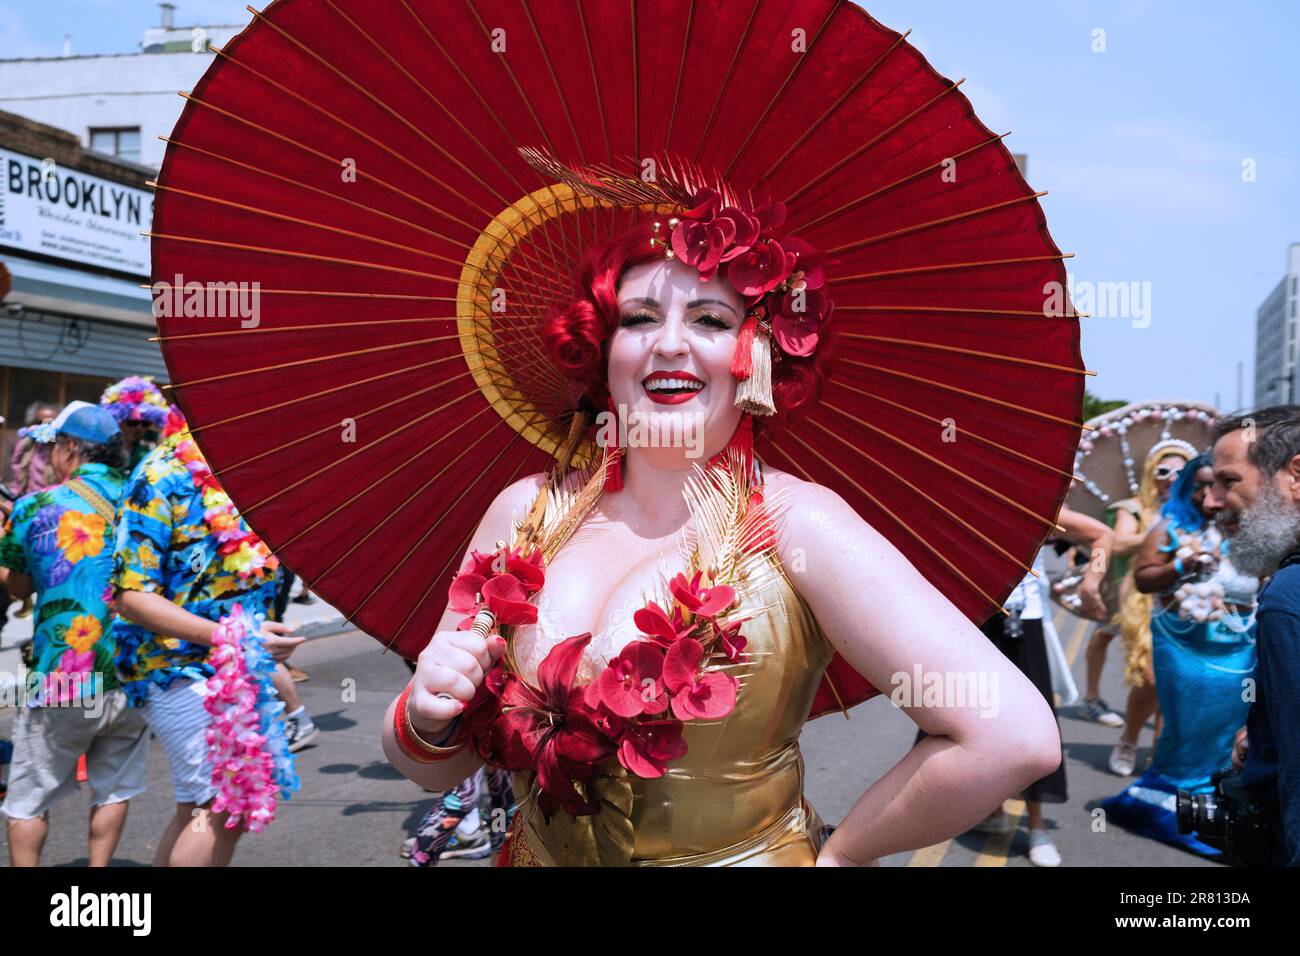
(672, 346)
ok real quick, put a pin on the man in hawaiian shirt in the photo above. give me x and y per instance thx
(60, 546)
(183, 559)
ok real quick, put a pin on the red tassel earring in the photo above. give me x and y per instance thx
(613, 454)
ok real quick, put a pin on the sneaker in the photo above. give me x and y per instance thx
(1123, 758)
(476, 847)
(407, 848)
(301, 731)
(1098, 711)
(1042, 851)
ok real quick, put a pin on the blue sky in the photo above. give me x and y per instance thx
(1141, 147)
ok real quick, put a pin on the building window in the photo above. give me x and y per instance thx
(123, 142)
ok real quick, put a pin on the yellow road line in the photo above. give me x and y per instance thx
(996, 847)
(1076, 640)
(930, 855)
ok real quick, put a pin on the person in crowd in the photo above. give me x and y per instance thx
(59, 546)
(1131, 520)
(138, 405)
(1257, 487)
(1203, 656)
(453, 829)
(183, 559)
(1019, 634)
(30, 469)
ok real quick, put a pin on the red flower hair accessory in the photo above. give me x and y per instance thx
(782, 278)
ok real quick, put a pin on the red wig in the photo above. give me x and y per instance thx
(577, 337)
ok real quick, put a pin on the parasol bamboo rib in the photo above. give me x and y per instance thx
(817, 123)
(636, 94)
(681, 71)
(451, 61)
(920, 227)
(328, 391)
(973, 482)
(312, 223)
(383, 147)
(337, 162)
(450, 157)
(469, 133)
(446, 358)
(505, 446)
(352, 454)
(595, 85)
(850, 157)
(323, 327)
(333, 427)
(493, 255)
(293, 254)
(1032, 313)
(776, 97)
(966, 431)
(726, 82)
(861, 200)
(997, 356)
(948, 267)
(880, 506)
(983, 538)
(1046, 416)
(377, 483)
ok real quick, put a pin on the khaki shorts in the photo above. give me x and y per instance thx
(48, 741)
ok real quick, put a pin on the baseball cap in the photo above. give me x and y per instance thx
(80, 420)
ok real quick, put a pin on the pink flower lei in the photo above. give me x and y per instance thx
(247, 745)
(635, 709)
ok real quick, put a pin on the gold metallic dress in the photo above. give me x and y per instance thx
(736, 797)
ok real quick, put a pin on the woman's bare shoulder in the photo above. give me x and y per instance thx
(514, 500)
(808, 506)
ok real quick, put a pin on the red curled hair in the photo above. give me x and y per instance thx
(577, 337)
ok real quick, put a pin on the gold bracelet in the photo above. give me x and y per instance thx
(415, 735)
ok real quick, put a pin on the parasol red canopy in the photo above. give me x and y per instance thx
(360, 163)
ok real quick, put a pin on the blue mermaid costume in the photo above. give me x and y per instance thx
(1201, 669)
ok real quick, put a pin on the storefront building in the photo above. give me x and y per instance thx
(76, 315)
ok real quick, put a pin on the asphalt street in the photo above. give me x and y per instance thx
(354, 810)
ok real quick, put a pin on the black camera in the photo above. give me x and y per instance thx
(1230, 819)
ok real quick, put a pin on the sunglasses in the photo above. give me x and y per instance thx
(1165, 471)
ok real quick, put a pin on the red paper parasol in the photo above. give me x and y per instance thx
(360, 162)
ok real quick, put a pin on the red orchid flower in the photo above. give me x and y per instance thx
(551, 728)
(701, 602)
(504, 595)
(632, 683)
(702, 244)
(733, 642)
(646, 748)
(761, 268)
(654, 622)
(796, 331)
(706, 696)
(808, 261)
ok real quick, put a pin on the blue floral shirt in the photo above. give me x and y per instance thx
(58, 539)
(167, 544)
